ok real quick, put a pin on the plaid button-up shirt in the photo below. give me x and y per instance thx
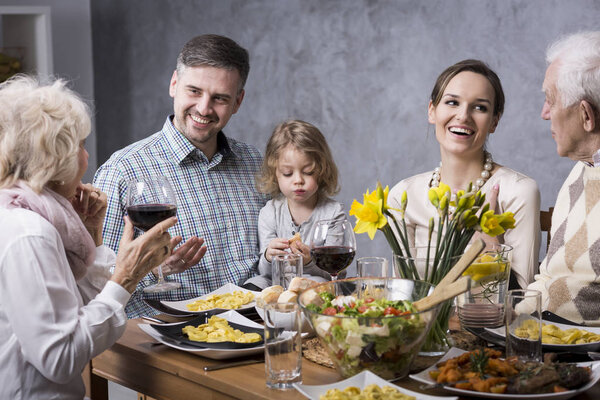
(216, 200)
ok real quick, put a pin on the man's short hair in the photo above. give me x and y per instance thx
(215, 51)
(579, 70)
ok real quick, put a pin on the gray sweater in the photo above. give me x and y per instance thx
(275, 221)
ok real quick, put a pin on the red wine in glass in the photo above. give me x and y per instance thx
(145, 216)
(150, 200)
(333, 259)
(332, 245)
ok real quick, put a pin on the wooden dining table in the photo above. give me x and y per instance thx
(140, 363)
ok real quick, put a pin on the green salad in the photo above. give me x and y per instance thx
(379, 335)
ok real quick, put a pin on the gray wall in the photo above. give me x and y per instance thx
(359, 70)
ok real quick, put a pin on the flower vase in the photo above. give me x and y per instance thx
(438, 340)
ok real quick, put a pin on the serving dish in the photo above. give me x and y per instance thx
(361, 381)
(174, 332)
(424, 377)
(498, 335)
(213, 353)
(181, 305)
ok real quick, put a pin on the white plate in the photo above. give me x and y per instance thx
(216, 354)
(285, 317)
(574, 348)
(361, 381)
(423, 377)
(227, 288)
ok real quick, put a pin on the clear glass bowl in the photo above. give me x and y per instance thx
(384, 345)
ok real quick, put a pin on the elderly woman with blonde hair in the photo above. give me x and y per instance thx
(60, 305)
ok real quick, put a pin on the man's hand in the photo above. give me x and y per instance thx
(186, 256)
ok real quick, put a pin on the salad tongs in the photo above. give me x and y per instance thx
(452, 284)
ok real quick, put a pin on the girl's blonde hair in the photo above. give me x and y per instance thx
(41, 127)
(309, 140)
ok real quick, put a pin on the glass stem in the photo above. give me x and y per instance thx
(161, 276)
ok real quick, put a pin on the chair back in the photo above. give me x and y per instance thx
(546, 224)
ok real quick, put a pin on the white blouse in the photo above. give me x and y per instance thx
(50, 325)
(517, 193)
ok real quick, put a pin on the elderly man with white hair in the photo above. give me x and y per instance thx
(569, 275)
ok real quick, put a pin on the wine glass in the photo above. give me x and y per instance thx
(332, 245)
(150, 200)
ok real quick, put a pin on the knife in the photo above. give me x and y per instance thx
(233, 364)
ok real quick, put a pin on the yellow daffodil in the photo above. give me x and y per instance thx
(507, 220)
(436, 193)
(490, 223)
(369, 216)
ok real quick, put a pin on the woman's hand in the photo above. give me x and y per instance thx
(90, 203)
(137, 257)
(300, 248)
(276, 247)
(490, 241)
(186, 256)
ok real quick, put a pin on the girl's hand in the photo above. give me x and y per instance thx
(136, 257)
(186, 256)
(90, 203)
(300, 248)
(490, 241)
(276, 247)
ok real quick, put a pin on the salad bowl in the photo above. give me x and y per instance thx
(377, 330)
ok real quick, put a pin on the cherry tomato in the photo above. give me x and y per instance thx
(369, 300)
(352, 305)
(329, 311)
(341, 309)
(362, 309)
(390, 311)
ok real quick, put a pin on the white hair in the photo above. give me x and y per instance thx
(579, 68)
(41, 127)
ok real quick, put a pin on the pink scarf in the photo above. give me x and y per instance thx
(80, 248)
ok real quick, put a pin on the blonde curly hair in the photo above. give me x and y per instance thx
(307, 139)
(41, 127)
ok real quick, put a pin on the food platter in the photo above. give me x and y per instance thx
(497, 336)
(424, 377)
(181, 305)
(360, 381)
(213, 353)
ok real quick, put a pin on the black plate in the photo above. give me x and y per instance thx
(175, 332)
(164, 309)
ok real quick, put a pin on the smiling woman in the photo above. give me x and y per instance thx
(466, 104)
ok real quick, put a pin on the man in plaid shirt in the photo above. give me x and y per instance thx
(212, 175)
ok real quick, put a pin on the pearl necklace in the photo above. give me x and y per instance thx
(488, 165)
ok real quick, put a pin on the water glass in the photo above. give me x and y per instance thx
(283, 345)
(524, 325)
(285, 268)
(482, 306)
(374, 267)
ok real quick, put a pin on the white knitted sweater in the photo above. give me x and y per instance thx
(569, 275)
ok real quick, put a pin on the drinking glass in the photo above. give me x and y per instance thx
(524, 324)
(283, 345)
(285, 268)
(332, 245)
(150, 200)
(482, 306)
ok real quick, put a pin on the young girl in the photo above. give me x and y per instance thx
(299, 173)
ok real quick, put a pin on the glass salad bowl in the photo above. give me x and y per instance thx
(370, 324)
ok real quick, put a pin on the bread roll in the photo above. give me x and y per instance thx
(299, 284)
(270, 294)
(295, 238)
(287, 297)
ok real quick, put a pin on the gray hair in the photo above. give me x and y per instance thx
(215, 51)
(41, 127)
(579, 69)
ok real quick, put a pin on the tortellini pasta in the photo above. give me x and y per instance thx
(551, 334)
(371, 392)
(228, 301)
(218, 330)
